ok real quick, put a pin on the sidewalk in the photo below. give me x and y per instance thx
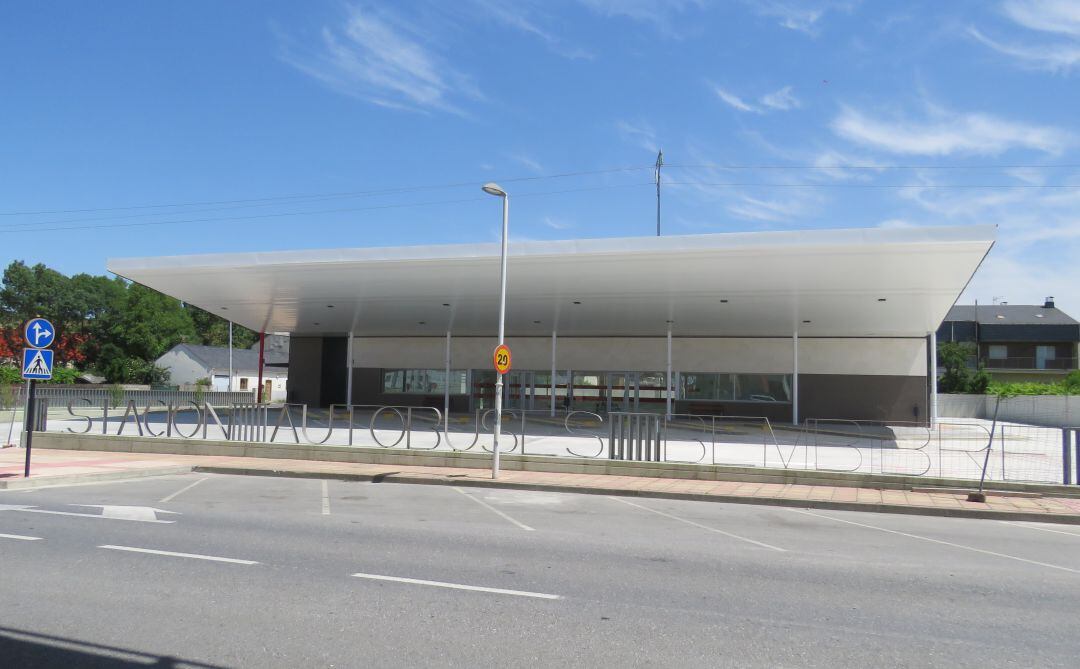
(57, 467)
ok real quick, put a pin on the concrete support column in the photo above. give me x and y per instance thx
(795, 377)
(446, 387)
(348, 369)
(553, 384)
(667, 374)
(933, 379)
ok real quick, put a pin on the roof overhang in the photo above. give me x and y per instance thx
(874, 282)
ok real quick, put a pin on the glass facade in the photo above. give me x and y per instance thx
(424, 381)
(709, 386)
(595, 391)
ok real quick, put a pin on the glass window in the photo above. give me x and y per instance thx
(998, 351)
(423, 381)
(763, 387)
(243, 383)
(706, 386)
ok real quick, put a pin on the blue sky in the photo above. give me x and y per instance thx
(281, 125)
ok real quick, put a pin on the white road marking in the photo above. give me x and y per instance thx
(93, 515)
(118, 512)
(457, 586)
(493, 509)
(325, 498)
(195, 556)
(1029, 526)
(939, 541)
(19, 537)
(181, 490)
(699, 525)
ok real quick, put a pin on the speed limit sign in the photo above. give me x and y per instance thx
(502, 358)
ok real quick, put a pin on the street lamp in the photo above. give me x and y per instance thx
(494, 189)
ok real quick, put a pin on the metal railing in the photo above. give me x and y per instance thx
(1029, 363)
(952, 448)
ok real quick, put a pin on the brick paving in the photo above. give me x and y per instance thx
(49, 464)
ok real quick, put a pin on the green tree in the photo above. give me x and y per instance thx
(954, 357)
(212, 330)
(148, 324)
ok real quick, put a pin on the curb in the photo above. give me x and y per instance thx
(404, 477)
(102, 477)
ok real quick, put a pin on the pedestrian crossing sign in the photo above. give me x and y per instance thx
(37, 364)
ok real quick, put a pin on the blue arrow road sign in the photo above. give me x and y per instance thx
(39, 333)
(37, 364)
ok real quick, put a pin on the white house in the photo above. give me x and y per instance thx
(188, 363)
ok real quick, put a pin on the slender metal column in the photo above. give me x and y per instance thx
(795, 377)
(229, 388)
(933, 379)
(348, 369)
(502, 333)
(262, 359)
(667, 376)
(553, 384)
(446, 387)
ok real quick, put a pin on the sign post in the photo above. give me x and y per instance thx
(37, 364)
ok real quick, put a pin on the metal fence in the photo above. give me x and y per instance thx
(951, 449)
(117, 396)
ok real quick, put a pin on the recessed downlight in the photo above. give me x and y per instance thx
(881, 299)
(806, 322)
(577, 301)
(421, 322)
(536, 322)
(723, 301)
(446, 304)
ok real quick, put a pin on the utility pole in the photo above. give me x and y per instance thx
(659, 164)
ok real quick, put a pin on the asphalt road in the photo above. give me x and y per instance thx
(269, 572)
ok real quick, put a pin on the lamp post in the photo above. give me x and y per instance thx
(494, 189)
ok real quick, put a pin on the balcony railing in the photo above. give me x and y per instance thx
(1030, 363)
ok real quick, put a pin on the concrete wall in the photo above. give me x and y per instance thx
(881, 357)
(1049, 410)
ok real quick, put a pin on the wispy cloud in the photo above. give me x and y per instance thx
(945, 133)
(638, 133)
(800, 15)
(526, 17)
(1055, 16)
(1060, 57)
(556, 223)
(528, 162)
(1057, 52)
(782, 99)
(734, 101)
(659, 13)
(382, 58)
(779, 100)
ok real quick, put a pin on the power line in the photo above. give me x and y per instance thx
(321, 196)
(722, 166)
(865, 185)
(221, 219)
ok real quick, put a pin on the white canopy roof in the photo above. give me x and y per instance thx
(837, 283)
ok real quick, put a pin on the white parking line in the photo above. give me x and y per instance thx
(325, 498)
(19, 537)
(1029, 526)
(699, 525)
(457, 586)
(493, 509)
(939, 541)
(181, 490)
(195, 556)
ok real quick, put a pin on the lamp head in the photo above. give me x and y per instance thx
(492, 188)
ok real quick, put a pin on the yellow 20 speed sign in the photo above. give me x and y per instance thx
(502, 358)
